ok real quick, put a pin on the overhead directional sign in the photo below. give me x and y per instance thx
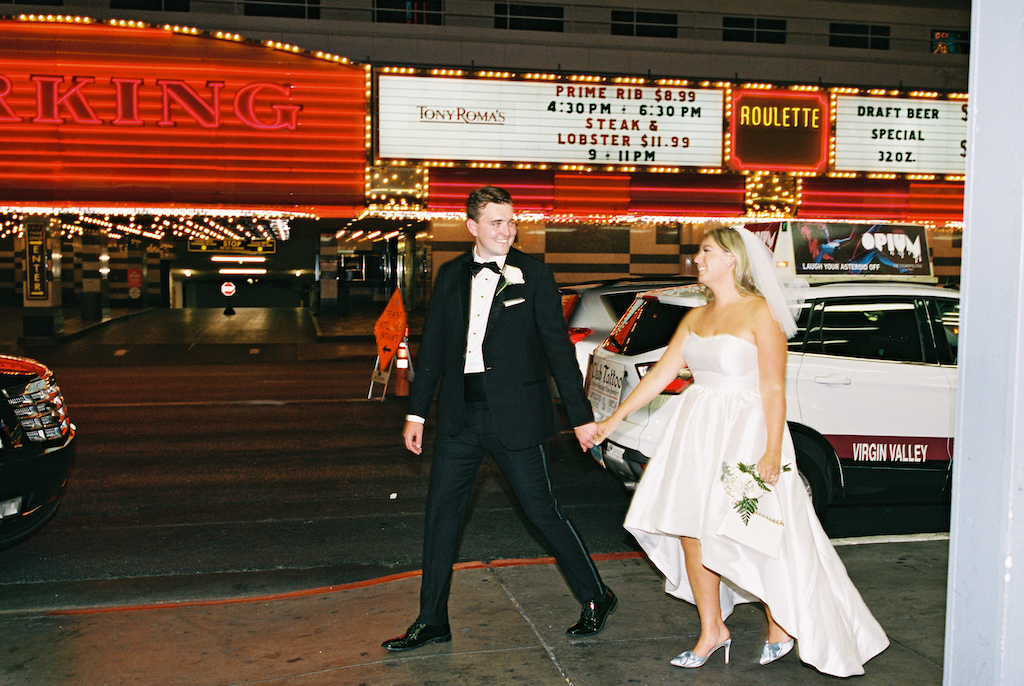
(230, 245)
(35, 261)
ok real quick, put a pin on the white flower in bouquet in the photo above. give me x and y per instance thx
(732, 482)
(744, 486)
(752, 489)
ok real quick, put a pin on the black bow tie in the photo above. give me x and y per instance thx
(476, 267)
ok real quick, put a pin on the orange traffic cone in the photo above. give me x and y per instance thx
(402, 370)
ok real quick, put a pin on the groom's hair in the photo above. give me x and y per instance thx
(482, 197)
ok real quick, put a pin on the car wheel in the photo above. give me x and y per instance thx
(814, 482)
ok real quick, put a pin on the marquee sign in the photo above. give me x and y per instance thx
(779, 131)
(461, 119)
(900, 135)
(98, 113)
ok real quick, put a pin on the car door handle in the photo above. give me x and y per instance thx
(833, 380)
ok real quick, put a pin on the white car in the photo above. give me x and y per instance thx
(592, 309)
(870, 388)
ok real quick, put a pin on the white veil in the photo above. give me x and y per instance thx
(784, 298)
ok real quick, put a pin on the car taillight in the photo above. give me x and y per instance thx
(569, 303)
(676, 387)
(578, 333)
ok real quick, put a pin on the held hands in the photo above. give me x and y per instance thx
(591, 434)
(605, 428)
(413, 436)
(586, 434)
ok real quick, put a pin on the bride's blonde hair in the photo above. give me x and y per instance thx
(729, 240)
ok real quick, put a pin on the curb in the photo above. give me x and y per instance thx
(474, 564)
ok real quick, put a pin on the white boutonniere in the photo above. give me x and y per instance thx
(510, 275)
(745, 487)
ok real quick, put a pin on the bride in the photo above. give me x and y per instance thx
(729, 428)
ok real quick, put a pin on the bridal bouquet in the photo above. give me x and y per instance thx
(744, 487)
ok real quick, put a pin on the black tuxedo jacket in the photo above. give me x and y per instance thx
(526, 336)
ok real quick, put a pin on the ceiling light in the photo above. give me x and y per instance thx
(237, 258)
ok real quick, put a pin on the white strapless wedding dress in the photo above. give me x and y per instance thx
(721, 419)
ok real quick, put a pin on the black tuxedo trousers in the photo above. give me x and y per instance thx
(525, 338)
(453, 473)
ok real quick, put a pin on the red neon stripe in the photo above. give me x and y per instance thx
(82, 160)
(829, 197)
(178, 175)
(616, 200)
(688, 191)
(866, 202)
(917, 207)
(102, 134)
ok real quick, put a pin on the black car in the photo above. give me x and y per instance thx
(37, 448)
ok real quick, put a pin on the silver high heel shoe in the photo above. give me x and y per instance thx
(773, 651)
(691, 660)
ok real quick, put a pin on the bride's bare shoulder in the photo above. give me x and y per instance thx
(756, 304)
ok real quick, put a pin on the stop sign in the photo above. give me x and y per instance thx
(227, 288)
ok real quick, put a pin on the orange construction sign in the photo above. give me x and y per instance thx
(390, 329)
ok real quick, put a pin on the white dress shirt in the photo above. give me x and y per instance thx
(481, 295)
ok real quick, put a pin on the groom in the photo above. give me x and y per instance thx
(494, 329)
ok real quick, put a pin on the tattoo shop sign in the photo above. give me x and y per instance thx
(504, 120)
(604, 386)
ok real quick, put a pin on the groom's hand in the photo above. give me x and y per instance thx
(586, 434)
(413, 435)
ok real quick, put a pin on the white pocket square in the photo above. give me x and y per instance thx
(513, 301)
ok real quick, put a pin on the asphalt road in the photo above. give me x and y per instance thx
(258, 476)
(202, 476)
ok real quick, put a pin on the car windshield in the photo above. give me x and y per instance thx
(647, 325)
(620, 302)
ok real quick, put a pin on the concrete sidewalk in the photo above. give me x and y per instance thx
(74, 325)
(359, 324)
(508, 621)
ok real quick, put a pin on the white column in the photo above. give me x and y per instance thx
(985, 599)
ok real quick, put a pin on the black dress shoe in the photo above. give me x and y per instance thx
(419, 635)
(594, 615)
